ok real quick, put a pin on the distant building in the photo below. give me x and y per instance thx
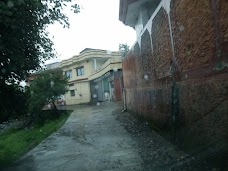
(106, 82)
(91, 75)
(53, 65)
(30, 79)
(32, 76)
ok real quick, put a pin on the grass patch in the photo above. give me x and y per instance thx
(16, 142)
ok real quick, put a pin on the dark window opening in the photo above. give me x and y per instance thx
(71, 85)
(72, 93)
(80, 71)
(68, 74)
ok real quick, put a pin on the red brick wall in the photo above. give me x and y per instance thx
(189, 88)
(117, 85)
(161, 44)
(223, 22)
(193, 30)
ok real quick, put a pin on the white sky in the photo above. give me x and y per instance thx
(96, 26)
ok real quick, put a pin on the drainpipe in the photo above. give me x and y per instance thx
(123, 54)
(175, 108)
(124, 100)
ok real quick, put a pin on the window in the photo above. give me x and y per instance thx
(71, 85)
(72, 93)
(68, 74)
(80, 71)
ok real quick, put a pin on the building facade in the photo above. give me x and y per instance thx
(91, 75)
(106, 82)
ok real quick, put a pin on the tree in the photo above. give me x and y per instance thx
(24, 41)
(16, 105)
(47, 88)
(124, 49)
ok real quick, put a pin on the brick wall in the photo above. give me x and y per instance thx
(117, 85)
(176, 74)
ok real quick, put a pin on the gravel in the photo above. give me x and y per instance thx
(13, 124)
(156, 152)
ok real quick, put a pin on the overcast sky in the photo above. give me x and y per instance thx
(96, 26)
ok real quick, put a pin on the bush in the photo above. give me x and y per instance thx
(13, 102)
(46, 88)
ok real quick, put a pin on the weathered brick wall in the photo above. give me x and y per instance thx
(161, 44)
(117, 85)
(193, 30)
(184, 85)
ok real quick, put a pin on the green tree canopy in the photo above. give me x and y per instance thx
(13, 103)
(24, 41)
(47, 88)
(124, 49)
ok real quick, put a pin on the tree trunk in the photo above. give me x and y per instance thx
(55, 109)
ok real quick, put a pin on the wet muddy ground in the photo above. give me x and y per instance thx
(155, 151)
(91, 139)
(100, 137)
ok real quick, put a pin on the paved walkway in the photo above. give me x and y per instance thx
(91, 139)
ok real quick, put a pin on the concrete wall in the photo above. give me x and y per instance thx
(113, 63)
(176, 72)
(81, 83)
(82, 93)
(53, 65)
(88, 69)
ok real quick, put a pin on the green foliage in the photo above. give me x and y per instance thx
(15, 143)
(24, 42)
(13, 102)
(47, 88)
(124, 49)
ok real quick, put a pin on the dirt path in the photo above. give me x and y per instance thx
(91, 139)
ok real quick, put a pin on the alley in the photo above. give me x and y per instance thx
(91, 139)
(98, 138)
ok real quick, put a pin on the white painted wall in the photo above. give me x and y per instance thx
(145, 12)
(82, 93)
(139, 25)
(97, 63)
(53, 65)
